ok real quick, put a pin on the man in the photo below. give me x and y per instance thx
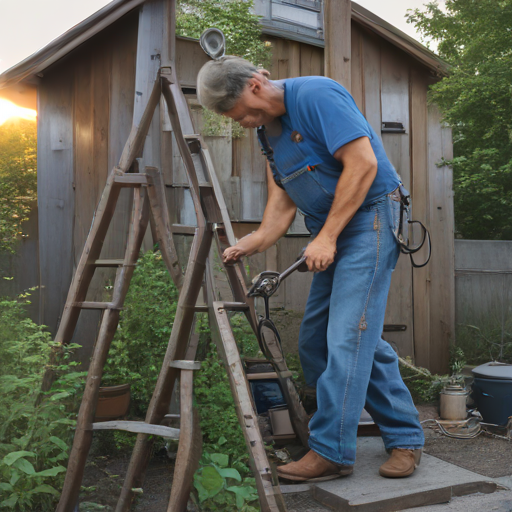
(328, 162)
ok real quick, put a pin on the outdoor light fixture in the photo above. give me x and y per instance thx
(213, 42)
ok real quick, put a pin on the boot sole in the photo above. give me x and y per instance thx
(317, 479)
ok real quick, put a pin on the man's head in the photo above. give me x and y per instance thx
(235, 88)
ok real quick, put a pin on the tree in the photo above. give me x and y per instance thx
(475, 37)
(18, 178)
(234, 17)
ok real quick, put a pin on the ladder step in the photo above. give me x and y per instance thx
(182, 229)
(95, 305)
(186, 365)
(138, 427)
(131, 179)
(108, 263)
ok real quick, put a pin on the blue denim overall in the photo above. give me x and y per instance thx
(340, 345)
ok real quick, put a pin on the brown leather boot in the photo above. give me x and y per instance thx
(401, 463)
(313, 468)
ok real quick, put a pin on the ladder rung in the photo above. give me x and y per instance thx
(181, 229)
(235, 306)
(131, 179)
(192, 136)
(186, 365)
(108, 263)
(138, 427)
(95, 305)
(201, 309)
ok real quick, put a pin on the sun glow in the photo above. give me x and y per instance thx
(8, 109)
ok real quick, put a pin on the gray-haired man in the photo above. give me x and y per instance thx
(328, 162)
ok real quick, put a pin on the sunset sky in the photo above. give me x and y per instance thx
(27, 26)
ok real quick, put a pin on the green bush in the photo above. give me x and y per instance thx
(34, 439)
(139, 346)
(18, 179)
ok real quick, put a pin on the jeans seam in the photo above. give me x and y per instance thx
(361, 328)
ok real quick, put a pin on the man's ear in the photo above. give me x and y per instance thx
(255, 83)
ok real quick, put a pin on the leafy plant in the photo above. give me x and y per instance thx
(219, 487)
(34, 439)
(423, 386)
(141, 339)
(18, 179)
(476, 101)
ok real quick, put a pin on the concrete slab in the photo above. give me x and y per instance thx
(435, 481)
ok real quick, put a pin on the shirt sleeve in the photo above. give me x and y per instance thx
(330, 113)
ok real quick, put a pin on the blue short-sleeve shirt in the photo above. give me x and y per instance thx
(326, 116)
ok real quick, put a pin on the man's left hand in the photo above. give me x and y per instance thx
(320, 254)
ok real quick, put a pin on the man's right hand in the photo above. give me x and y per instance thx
(234, 253)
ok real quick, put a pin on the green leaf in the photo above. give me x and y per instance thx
(46, 489)
(58, 396)
(14, 478)
(220, 458)
(230, 473)
(12, 457)
(222, 440)
(11, 501)
(5, 487)
(25, 466)
(50, 472)
(59, 442)
(211, 480)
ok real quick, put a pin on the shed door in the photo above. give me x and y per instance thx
(395, 109)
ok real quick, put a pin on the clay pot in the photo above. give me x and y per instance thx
(113, 403)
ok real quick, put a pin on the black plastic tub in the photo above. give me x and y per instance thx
(492, 392)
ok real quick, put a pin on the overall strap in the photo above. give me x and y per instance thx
(267, 150)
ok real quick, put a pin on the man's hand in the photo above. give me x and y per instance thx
(234, 253)
(320, 254)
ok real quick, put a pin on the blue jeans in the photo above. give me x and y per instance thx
(340, 345)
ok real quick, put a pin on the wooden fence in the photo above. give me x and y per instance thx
(483, 289)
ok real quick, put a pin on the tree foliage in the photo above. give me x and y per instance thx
(233, 17)
(475, 37)
(18, 179)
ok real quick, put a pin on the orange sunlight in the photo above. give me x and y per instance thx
(8, 109)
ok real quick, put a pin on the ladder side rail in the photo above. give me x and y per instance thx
(269, 493)
(137, 137)
(176, 349)
(162, 222)
(176, 122)
(83, 433)
(189, 448)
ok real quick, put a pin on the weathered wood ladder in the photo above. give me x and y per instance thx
(213, 224)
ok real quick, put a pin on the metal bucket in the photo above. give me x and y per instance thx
(453, 403)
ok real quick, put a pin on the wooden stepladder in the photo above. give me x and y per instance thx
(213, 225)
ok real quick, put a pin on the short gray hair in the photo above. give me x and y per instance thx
(221, 82)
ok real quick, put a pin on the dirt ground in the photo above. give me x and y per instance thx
(485, 454)
(104, 476)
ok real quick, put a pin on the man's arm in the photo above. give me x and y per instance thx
(359, 171)
(277, 218)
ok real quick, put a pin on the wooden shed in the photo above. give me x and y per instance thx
(87, 80)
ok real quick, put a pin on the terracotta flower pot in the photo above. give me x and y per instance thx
(113, 403)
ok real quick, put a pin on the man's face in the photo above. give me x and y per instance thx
(251, 109)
